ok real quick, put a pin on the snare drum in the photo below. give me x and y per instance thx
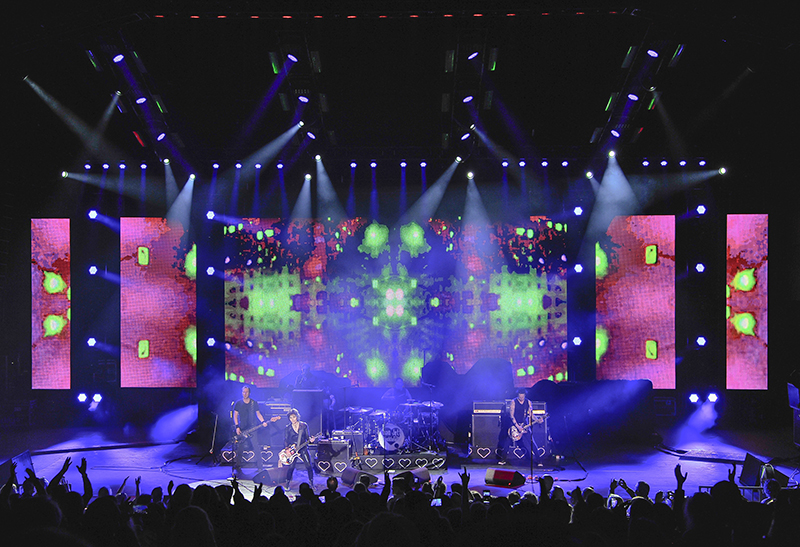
(391, 437)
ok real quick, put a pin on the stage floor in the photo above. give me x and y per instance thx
(114, 455)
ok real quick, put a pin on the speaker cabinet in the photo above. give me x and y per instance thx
(504, 477)
(272, 477)
(351, 475)
(332, 456)
(487, 435)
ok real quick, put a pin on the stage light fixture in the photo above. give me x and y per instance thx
(292, 58)
(722, 170)
(307, 177)
(87, 166)
(473, 55)
(467, 99)
(578, 211)
(465, 136)
(545, 163)
(615, 133)
(700, 267)
(122, 166)
(64, 174)
(258, 166)
(645, 163)
(353, 165)
(210, 270)
(694, 398)
(215, 165)
(82, 397)
(589, 174)
(713, 397)
(633, 96)
(92, 270)
(302, 99)
(192, 177)
(577, 341)
(97, 397)
(141, 100)
(317, 158)
(311, 135)
(470, 175)
(92, 214)
(238, 165)
(91, 342)
(143, 166)
(701, 209)
(300, 123)
(578, 268)
(612, 154)
(423, 164)
(458, 159)
(565, 163)
(652, 53)
(373, 165)
(161, 137)
(106, 166)
(701, 163)
(701, 341)
(118, 58)
(522, 163)
(210, 215)
(663, 163)
(211, 342)
(682, 163)
(279, 165)
(505, 163)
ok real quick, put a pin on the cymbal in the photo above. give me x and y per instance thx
(410, 405)
(379, 412)
(436, 405)
(358, 409)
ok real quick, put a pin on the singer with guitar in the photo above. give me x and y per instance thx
(296, 439)
(521, 414)
(247, 420)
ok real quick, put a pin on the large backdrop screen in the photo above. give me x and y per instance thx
(746, 311)
(158, 300)
(50, 303)
(635, 272)
(372, 302)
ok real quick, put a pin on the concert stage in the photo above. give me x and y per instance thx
(114, 455)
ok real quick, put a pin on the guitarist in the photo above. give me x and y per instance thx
(297, 435)
(521, 414)
(246, 415)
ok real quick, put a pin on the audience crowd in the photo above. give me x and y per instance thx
(406, 512)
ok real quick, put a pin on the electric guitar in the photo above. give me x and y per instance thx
(516, 433)
(288, 455)
(246, 434)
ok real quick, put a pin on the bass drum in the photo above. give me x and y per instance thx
(391, 437)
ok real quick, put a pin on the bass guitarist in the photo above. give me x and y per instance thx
(247, 418)
(296, 438)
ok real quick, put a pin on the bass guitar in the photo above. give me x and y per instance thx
(516, 433)
(246, 434)
(288, 455)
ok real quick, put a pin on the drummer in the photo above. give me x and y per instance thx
(396, 395)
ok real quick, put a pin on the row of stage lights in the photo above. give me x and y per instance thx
(403, 164)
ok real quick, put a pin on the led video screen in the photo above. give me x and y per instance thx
(158, 298)
(635, 282)
(370, 302)
(746, 309)
(50, 303)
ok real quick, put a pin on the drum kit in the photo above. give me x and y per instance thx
(412, 427)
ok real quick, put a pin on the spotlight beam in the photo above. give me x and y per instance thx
(328, 202)
(427, 204)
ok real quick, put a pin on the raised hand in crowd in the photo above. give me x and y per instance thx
(88, 491)
(680, 478)
(732, 474)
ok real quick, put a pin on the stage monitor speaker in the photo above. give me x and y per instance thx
(272, 477)
(754, 472)
(416, 476)
(486, 434)
(504, 477)
(351, 475)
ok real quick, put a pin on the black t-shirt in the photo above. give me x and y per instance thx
(247, 413)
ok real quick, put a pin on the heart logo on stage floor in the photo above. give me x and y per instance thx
(519, 452)
(339, 466)
(388, 463)
(437, 462)
(266, 455)
(371, 462)
(484, 452)
(323, 465)
(248, 455)
(404, 462)
(421, 462)
(228, 455)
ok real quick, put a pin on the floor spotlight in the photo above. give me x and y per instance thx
(694, 398)
(713, 397)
